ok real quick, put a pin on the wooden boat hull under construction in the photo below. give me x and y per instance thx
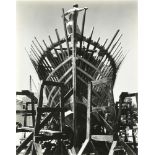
(72, 63)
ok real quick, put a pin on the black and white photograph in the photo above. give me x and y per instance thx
(77, 77)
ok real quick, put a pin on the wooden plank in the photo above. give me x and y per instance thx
(127, 148)
(24, 143)
(106, 124)
(74, 78)
(47, 109)
(89, 110)
(52, 83)
(28, 149)
(106, 138)
(24, 111)
(111, 152)
(101, 81)
(24, 129)
(83, 147)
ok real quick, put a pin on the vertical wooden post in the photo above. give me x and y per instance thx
(89, 111)
(83, 23)
(62, 117)
(25, 117)
(30, 83)
(65, 32)
(74, 78)
(38, 117)
(33, 110)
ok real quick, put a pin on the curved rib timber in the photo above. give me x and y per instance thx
(54, 96)
(92, 66)
(58, 67)
(60, 80)
(101, 49)
(85, 73)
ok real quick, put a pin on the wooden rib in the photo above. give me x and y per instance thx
(37, 48)
(60, 65)
(47, 67)
(57, 68)
(90, 39)
(58, 56)
(45, 45)
(50, 103)
(54, 96)
(92, 66)
(36, 53)
(85, 73)
(44, 61)
(122, 60)
(60, 80)
(91, 55)
(63, 54)
(86, 52)
(39, 44)
(96, 43)
(115, 44)
(112, 40)
(108, 56)
(118, 55)
(101, 48)
(104, 68)
(105, 43)
(102, 61)
(50, 58)
(113, 52)
(36, 56)
(118, 52)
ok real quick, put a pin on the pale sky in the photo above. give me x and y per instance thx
(41, 18)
